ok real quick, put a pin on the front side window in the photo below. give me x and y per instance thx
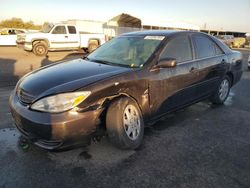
(59, 30)
(205, 47)
(178, 48)
(130, 51)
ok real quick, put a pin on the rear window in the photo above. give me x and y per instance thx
(205, 47)
(72, 29)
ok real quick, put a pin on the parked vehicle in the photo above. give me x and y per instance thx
(247, 43)
(239, 42)
(8, 36)
(227, 39)
(59, 37)
(248, 64)
(129, 82)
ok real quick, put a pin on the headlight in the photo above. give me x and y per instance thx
(61, 102)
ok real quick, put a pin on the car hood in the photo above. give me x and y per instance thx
(66, 77)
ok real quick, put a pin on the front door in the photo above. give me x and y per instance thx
(171, 88)
(59, 37)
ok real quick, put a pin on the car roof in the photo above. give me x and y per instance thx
(157, 32)
(168, 33)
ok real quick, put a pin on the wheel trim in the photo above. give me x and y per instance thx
(132, 122)
(224, 89)
(40, 49)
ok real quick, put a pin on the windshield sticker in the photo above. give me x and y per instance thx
(154, 37)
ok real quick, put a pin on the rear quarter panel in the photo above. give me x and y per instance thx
(84, 39)
(236, 64)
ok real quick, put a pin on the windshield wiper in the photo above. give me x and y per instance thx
(85, 58)
(111, 63)
(107, 62)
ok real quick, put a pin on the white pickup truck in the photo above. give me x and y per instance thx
(59, 37)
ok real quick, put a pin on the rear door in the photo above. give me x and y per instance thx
(59, 37)
(211, 62)
(73, 37)
(171, 88)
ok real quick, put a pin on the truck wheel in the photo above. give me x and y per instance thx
(222, 91)
(92, 45)
(40, 49)
(124, 123)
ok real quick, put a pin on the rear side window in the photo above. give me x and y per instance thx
(178, 48)
(205, 47)
(59, 30)
(72, 29)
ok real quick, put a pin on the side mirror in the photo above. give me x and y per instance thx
(165, 63)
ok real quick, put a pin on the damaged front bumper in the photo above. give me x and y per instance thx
(54, 131)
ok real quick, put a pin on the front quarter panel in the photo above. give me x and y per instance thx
(133, 85)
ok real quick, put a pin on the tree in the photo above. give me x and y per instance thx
(18, 23)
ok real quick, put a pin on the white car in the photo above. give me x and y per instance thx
(59, 37)
(248, 64)
(8, 36)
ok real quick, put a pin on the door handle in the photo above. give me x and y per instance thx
(66, 36)
(193, 69)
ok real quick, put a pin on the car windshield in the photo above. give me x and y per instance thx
(47, 28)
(128, 51)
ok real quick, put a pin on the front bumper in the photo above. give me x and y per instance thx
(54, 131)
(24, 45)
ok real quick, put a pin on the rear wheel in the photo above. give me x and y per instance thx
(93, 44)
(125, 124)
(222, 91)
(40, 49)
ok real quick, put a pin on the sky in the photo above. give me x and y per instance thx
(228, 15)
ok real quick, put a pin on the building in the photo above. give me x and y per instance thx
(124, 23)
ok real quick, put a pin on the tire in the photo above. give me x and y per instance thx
(222, 91)
(92, 45)
(40, 49)
(124, 132)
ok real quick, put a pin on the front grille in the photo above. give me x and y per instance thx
(25, 97)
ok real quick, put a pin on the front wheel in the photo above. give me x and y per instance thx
(125, 124)
(222, 91)
(40, 49)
